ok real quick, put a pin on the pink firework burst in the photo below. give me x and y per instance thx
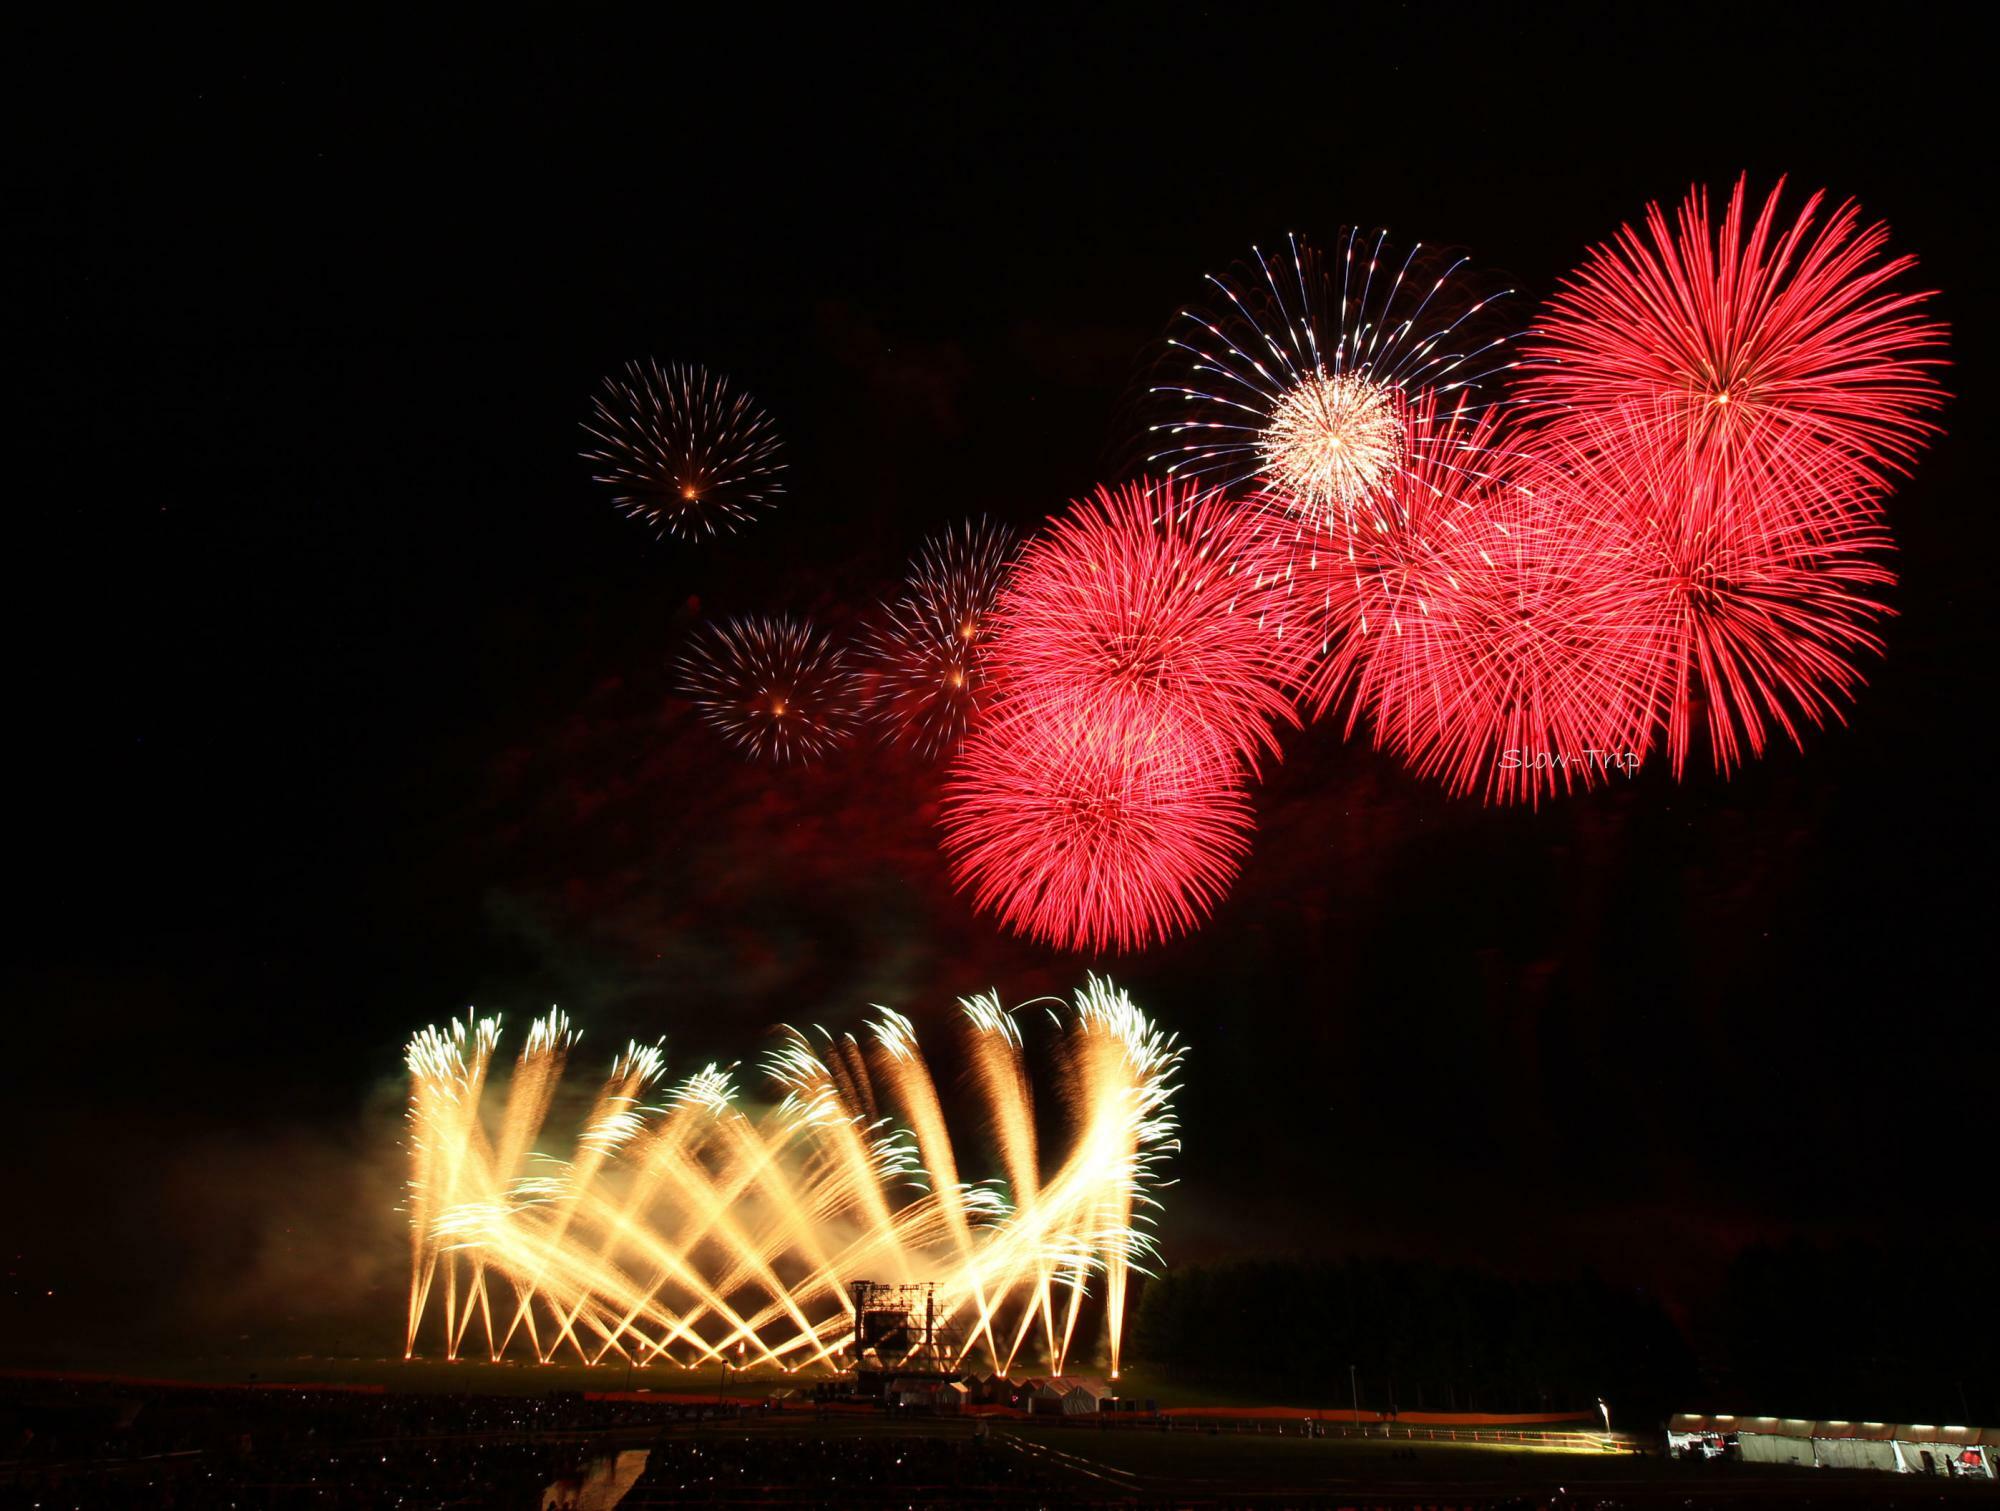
(1764, 613)
(776, 688)
(1374, 573)
(1775, 351)
(1094, 827)
(1164, 598)
(927, 652)
(1528, 653)
(683, 450)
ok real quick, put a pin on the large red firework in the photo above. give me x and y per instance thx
(926, 652)
(1762, 612)
(1776, 352)
(1163, 598)
(1527, 652)
(1595, 598)
(1372, 571)
(1094, 828)
(776, 688)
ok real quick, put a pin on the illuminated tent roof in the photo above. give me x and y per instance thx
(1799, 1427)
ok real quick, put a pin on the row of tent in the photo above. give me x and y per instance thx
(1895, 1448)
(1055, 1395)
(1052, 1395)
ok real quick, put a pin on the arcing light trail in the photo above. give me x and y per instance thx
(685, 1228)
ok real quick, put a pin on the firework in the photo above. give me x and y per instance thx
(1520, 649)
(1764, 612)
(1301, 375)
(1162, 599)
(927, 652)
(1098, 828)
(1781, 354)
(1376, 573)
(683, 450)
(776, 688)
(685, 1230)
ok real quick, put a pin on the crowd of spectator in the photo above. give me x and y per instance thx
(107, 1444)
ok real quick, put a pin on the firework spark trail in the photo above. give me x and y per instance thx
(1763, 613)
(898, 1063)
(1105, 830)
(1592, 599)
(1377, 572)
(1140, 665)
(1002, 1075)
(682, 451)
(1775, 354)
(695, 1226)
(776, 688)
(1161, 598)
(1300, 377)
(1518, 653)
(925, 654)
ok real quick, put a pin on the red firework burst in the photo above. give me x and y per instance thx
(927, 652)
(1763, 613)
(1164, 598)
(1095, 829)
(1773, 352)
(777, 688)
(1527, 654)
(683, 451)
(1376, 573)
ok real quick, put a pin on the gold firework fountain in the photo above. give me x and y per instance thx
(686, 1226)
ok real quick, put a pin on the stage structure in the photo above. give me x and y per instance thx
(903, 1342)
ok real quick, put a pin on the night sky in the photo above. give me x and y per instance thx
(342, 697)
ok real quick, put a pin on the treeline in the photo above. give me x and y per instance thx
(1418, 1337)
(1899, 1330)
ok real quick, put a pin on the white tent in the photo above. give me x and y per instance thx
(1961, 1451)
(1774, 1440)
(1072, 1395)
(1854, 1445)
(1911, 1448)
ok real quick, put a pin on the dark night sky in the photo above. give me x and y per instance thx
(342, 696)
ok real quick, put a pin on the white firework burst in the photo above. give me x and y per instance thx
(1302, 378)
